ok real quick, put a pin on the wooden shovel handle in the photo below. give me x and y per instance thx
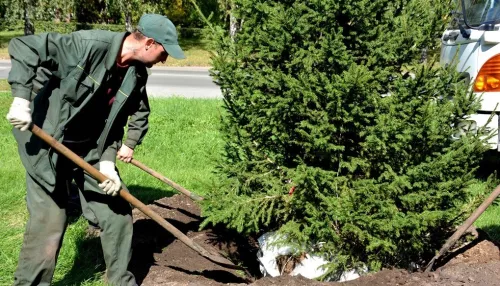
(462, 228)
(166, 180)
(60, 148)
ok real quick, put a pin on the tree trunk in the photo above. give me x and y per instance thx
(29, 28)
(234, 25)
(128, 17)
(128, 22)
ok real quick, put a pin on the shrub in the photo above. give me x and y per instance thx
(337, 135)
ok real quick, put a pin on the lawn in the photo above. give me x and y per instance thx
(196, 51)
(4, 85)
(183, 144)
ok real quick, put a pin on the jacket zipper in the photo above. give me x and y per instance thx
(111, 120)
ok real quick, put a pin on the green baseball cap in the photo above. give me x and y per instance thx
(163, 31)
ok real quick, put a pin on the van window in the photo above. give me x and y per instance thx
(479, 12)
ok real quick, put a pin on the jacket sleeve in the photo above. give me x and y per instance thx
(58, 53)
(42, 77)
(138, 123)
(113, 143)
(137, 128)
(110, 153)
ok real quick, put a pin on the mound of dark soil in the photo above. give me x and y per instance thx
(160, 259)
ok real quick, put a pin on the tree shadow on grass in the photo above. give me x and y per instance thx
(489, 165)
(89, 262)
(193, 43)
(493, 233)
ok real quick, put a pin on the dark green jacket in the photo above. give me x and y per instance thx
(79, 62)
(137, 125)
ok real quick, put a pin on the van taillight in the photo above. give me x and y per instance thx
(488, 78)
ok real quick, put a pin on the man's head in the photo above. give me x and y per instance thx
(161, 38)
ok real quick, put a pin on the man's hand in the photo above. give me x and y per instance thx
(20, 114)
(125, 154)
(112, 185)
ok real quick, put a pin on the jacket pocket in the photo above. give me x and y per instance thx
(78, 86)
(41, 157)
(45, 170)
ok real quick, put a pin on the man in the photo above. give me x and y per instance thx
(97, 80)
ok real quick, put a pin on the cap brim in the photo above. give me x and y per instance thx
(174, 51)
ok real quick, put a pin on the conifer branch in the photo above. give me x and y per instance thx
(265, 198)
(202, 16)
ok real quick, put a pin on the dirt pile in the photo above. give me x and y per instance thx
(160, 260)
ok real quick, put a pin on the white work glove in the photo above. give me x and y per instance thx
(20, 114)
(112, 185)
(125, 154)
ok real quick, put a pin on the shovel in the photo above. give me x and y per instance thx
(460, 231)
(60, 148)
(166, 180)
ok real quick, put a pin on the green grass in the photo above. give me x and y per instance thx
(489, 221)
(197, 54)
(182, 144)
(5, 37)
(4, 85)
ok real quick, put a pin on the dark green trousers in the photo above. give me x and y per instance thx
(47, 224)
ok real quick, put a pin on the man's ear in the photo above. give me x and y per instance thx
(149, 42)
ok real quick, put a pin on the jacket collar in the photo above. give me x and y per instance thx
(116, 43)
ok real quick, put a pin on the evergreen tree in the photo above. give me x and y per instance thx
(337, 135)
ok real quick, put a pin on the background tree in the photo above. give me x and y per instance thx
(127, 12)
(181, 12)
(3, 8)
(14, 11)
(233, 24)
(29, 28)
(98, 11)
(53, 10)
(331, 141)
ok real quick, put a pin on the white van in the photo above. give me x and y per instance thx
(473, 40)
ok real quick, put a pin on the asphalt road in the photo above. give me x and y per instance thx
(186, 82)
